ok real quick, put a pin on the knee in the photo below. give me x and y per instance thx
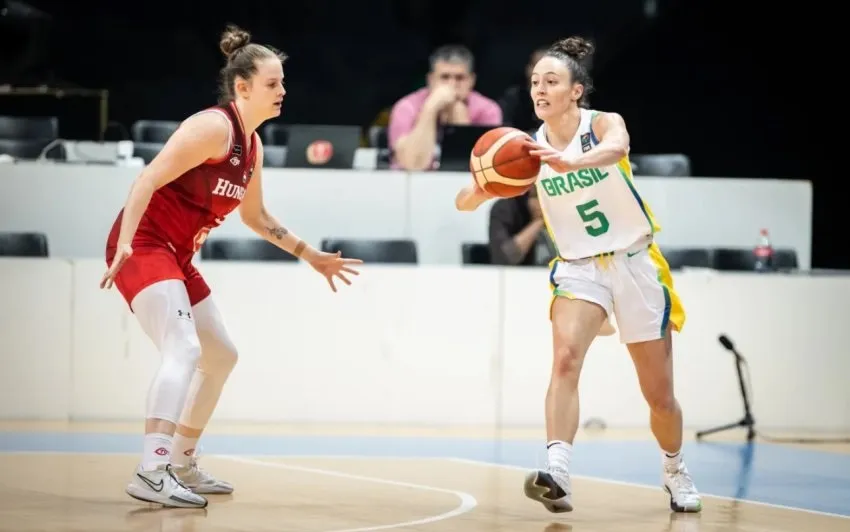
(567, 361)
(661, 401)
(219, 358)
(228, 355)
(184, 356)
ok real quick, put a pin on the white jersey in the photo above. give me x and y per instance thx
(593, 210)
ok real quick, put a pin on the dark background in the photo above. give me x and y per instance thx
(727, 83)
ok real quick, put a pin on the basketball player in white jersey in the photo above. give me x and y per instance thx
(607, 263)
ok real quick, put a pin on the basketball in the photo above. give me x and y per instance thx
(501, 163)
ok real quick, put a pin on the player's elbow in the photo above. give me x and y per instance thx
(459, 203)
(250, 215)
(618, 148)
(621, 146)
(463, 207)
(146, 183)
(464, 201)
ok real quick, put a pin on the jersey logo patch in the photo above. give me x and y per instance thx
(585, 142)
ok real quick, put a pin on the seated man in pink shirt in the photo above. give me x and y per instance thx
(447, 100)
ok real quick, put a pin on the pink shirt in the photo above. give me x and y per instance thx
(482, 112)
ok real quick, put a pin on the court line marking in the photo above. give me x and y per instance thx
(647, 486)
(467, 501)
(275, 456)
(416, 458)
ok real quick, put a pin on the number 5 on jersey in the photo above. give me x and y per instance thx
(595, 223)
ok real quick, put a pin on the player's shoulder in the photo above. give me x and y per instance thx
(603, 121)
(212, 121)
(211, 117)
(601, 116)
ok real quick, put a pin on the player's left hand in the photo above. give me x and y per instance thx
(555, 159)
(332, 265)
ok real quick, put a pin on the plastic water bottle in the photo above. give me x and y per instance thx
(763, 253)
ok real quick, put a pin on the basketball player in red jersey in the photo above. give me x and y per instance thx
(210, 166)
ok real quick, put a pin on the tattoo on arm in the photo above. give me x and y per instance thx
(277, 232)
(299, 248)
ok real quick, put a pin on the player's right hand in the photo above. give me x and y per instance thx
(122, 253)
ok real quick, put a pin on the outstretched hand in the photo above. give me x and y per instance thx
(332, 265)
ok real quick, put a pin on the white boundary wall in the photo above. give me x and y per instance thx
(426, 345)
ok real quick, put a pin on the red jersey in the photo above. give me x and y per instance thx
(181, 213)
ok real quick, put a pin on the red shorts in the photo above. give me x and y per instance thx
(151, 263)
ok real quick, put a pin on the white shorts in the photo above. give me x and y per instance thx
(634, 285)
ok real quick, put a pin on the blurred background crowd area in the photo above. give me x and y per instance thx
(708, 80)
(681, 72)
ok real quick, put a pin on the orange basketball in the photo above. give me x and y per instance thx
(501, 163)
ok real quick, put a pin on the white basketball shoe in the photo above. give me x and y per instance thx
(200, 481)
(551, 488)
(162, 486)
(678, 483)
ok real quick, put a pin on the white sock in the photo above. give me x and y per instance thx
(183, 449)
(157, 450)
(559, 454)
(671, 461)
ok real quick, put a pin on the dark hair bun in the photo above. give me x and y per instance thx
(233, 39)
(574, 47)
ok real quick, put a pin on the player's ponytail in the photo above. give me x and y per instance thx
(575, 52)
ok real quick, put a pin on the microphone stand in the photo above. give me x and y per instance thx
(747, 421)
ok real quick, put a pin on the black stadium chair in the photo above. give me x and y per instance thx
(476, 253)
(29, 127)
(14, 244)
(743, 260)
(380, 251)
(734, 259)
(31, 149)
(153, 131)
(147, 151)
(275, 134)
(246, 249)
(785, 259)
(661, 165)
(678, 258)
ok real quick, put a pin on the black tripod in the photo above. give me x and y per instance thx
(747, 420)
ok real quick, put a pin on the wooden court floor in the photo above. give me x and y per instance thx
(79, 490)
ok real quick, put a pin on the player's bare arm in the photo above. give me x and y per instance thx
(200, 137)
(254, 214)
(470, 198)
(610, 129)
